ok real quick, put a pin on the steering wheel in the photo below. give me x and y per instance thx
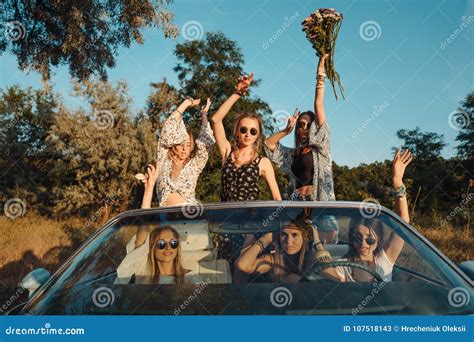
(323, 265)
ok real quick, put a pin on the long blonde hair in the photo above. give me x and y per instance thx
(259, 142)
(153, 268)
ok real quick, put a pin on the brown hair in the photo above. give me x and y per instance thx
(374, 226)
(259, 141)
(152, 262)
(282, 265)
(172, 152)
(312, 117)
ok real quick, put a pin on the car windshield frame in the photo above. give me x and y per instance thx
(139, 213)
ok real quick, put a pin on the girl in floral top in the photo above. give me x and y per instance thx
(181, 159)
(309, 163)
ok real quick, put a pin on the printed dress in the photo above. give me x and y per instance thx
(174, 132)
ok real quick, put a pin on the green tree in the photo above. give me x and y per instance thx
(428, 169)
(466, 134)
(25, 118)
(85, 35)
(98, 151)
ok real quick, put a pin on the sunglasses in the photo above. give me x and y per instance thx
(369, 240)
(302, 124)
(244, 130)
(161, 244)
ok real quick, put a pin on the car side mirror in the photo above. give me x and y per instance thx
(34, 280)
(468, 268)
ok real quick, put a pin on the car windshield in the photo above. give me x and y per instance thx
(251, 260)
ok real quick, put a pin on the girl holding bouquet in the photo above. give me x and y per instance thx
(309, 163)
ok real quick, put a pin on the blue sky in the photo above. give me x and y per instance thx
(406, 75)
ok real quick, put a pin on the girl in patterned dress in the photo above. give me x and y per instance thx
(181, 158)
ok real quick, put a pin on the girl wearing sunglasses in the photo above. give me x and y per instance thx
(367, 244)
(309, 163)
(164, 263)
(242, 162)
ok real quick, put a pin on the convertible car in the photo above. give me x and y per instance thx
(102, 278)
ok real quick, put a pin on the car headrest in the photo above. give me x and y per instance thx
(194, 235)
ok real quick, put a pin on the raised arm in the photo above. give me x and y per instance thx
(204, 141)
(249, 262)
(400, 161)
(174, 131)
(319, 92)
(150, 179)
(217, 119)
(272, 142)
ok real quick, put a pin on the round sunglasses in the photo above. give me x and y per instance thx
(161, 244)
(244, 130)
(302, 124)
(369, 240)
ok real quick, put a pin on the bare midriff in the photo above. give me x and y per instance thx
(174, 199)
(305, 190)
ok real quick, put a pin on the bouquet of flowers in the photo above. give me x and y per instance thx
(322, 28)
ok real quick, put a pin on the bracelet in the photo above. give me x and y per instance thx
(322, 256)
(240, 93)
(259, 243)
(398, 192)
(315, 244)
(176, 110)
